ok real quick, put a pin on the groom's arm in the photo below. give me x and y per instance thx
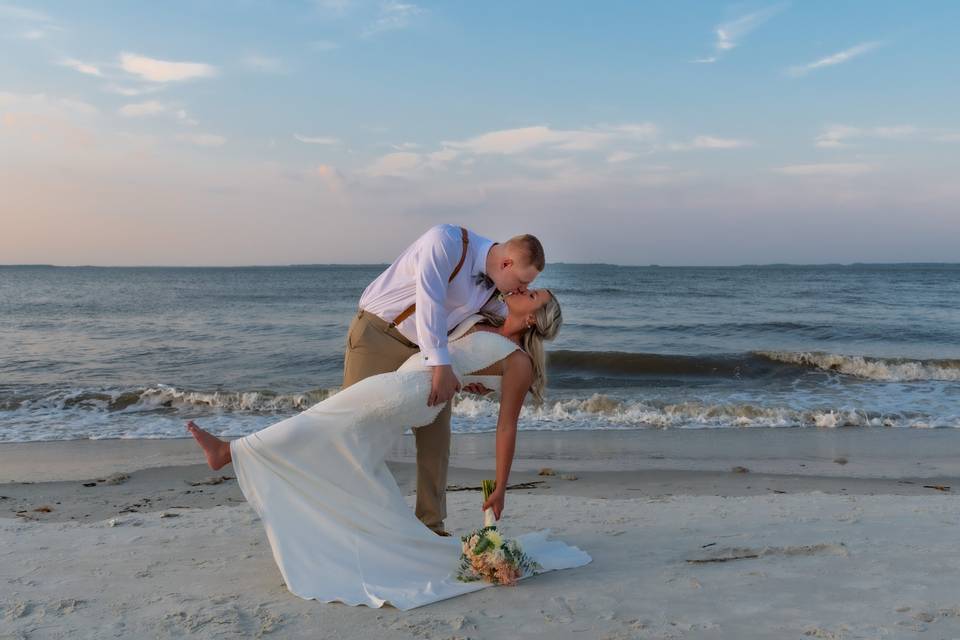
(438, 256)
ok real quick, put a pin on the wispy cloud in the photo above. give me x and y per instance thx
(316, 139)
(323, 45)
(82, 67)
(13, 12)
(729, 34)
(839, 136)
(330, 176)
(141, 109)
(394, 164)
(840, 169)
(155, 108)
(132, 91)
(41, 103)
(264, 64)
(837, 58)
(202, 139)
(335, 7)
(531, 147)
(155, 70)
(40, 32)
(709, 142)
(393, 15)
(36, 24)
(514, 141)
(621, 156)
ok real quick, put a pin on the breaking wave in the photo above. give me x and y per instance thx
(601, 411)
(885, 369)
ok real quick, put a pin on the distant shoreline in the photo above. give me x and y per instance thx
(774, 265)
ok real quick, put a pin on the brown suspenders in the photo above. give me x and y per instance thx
(406, 313)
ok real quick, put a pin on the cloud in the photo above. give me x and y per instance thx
(730, 33)
(155, 70)
(537, 147)
(336, 7)
(33, 34)
(709, 142)
(316, 140)
(323, 45)
(154, 108)
(264, 64)
(330, 176)
(837, 58)
(393, 16)
(132, 91)
(82, 67)
(524, 139)
(837, 136)
(621, 156)
(948, 137)
(141, 109)
(842, 169)
(44, 124)
(400, 163)
(19, 13)
(202, 139)
(642, 130)
(41, 103)
(37, 24)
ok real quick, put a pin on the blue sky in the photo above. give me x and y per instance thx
(257, 132)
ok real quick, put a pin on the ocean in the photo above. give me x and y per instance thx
(111, 352)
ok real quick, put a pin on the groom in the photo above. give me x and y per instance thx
(446, 275)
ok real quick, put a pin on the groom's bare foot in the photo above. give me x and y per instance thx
(216, 450)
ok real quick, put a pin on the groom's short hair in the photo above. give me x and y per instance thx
(530, 247)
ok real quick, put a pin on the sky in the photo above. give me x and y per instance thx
(260, 132)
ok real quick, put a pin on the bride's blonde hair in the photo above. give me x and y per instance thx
(546, 326)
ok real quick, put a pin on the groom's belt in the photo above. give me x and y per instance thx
(385, 327)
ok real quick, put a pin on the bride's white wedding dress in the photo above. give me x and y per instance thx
(339, 527)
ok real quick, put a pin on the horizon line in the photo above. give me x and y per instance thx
(380, 264)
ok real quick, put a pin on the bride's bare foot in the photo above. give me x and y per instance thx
(216, 450)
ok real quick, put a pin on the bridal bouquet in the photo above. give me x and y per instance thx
(487, 556)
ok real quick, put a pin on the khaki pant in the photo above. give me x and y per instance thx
(374, 347)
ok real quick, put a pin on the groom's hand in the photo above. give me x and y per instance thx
(444, 385)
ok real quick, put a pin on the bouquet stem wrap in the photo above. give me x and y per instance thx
(488, 487)
(486, 555)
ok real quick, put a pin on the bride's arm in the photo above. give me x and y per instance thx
(517, 378)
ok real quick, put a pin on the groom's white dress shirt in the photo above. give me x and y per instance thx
(420, 276)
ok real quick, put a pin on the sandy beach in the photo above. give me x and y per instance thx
(726, 534)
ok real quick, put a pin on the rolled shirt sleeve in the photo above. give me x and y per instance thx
(437, 258)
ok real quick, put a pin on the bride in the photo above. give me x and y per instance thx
(338, 525)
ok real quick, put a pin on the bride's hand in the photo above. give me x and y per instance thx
(477, 387)
(495, 502)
